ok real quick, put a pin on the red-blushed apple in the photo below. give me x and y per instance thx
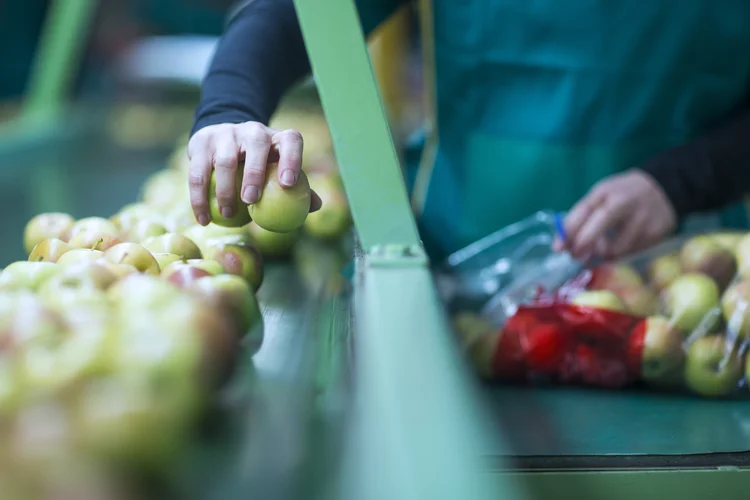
(692, 301)
(88, 224)
(210, 266)
(240, 259)
(24, 317)
(614, 277)
(77, 255)
(701, 254)
(135, 255)
(164, 259)
(49, 250)
(82, 275)
(728, 240)
(272, 245)
(470, 326)
(25, 275)
(203, 235)
(333, 219)
(742, 254)
(177, 244)
(660, 348)
(44, 227)
(141, 291)
(143, 230)
(94, 239)
(663, 270)
(735, 307)
(182, 276)
(600, 299)
(241, 216)
(280, 209)
(234, 296)
(165, 189)
(713, 367)
(639, 301)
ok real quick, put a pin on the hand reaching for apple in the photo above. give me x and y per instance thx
(222, 147)
(631, 206)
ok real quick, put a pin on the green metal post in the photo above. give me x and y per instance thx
(361, 135)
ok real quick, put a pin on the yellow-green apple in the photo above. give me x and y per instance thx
(735, 307)
(234, 296)
(728, 240)
(663, 270)
(280, 209)
(131, 214)
(240, 259)
(77, 255)
(614, 277)
(202, 235)
(241, 216)
(179, 218)
(661, 351)
(63, 298)
(45, 226)
(118, 269)
(692, 300)
(177, 244)
(164, 259)
(272, 245)
(639, 301)
(600, 299)
(144, 229)
(713, 367)
(88, 224)
(135, 255)
(164, 189)
(94, 239)
(333, 219)
(701, 254)
(742, 254)
(210, 266)
(482, 352)
(470, 326)
(27, 275)
(80, 275)
(141, 291)
(49, 250)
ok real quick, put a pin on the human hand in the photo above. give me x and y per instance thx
(630, 206)
(222, 147)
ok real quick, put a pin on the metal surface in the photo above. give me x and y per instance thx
(359, 127)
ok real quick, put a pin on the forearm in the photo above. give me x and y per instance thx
(708, 173)
(259, 57)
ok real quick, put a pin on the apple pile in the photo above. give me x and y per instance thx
(678, 320)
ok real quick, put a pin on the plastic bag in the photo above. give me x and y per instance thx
(675, 317)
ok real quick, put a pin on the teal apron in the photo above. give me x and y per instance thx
(537, 100)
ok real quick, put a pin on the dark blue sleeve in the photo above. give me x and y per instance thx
(259, 57)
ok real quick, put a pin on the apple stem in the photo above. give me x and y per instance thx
(99, 242)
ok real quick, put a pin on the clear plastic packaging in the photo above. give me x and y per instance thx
(675, 317)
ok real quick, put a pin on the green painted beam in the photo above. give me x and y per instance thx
(60, 49)
(359, 126)
(418, 429)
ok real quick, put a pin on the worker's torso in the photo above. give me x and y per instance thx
(536, 100)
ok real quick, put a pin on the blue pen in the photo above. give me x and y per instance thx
(560, 227)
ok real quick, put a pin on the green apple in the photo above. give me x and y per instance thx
(600, 299)
(177, 244)
(742, 254)
(241, 216)
(663, 270)
(692, 301)
(615, 277)
(77, 255)
(470, 326)
(135, 255)
(735, 306)
(333, 219)
(27, 275)
(240, 259)
(482, 353)
(280, 209)
(49, 250)
(639, 301)
(45, 226)
(273, 245)
(713, 368)
(662, 353)
(702, 254)
(233, 295)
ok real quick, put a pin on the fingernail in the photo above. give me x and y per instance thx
(227, 212)
(203, 219)
(288, 178)
(250, 194)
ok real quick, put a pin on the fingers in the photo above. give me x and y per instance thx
(225, 163)
(315, 202)
(200, 173)
(255, 141)
(289, 145)
(581, 212)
